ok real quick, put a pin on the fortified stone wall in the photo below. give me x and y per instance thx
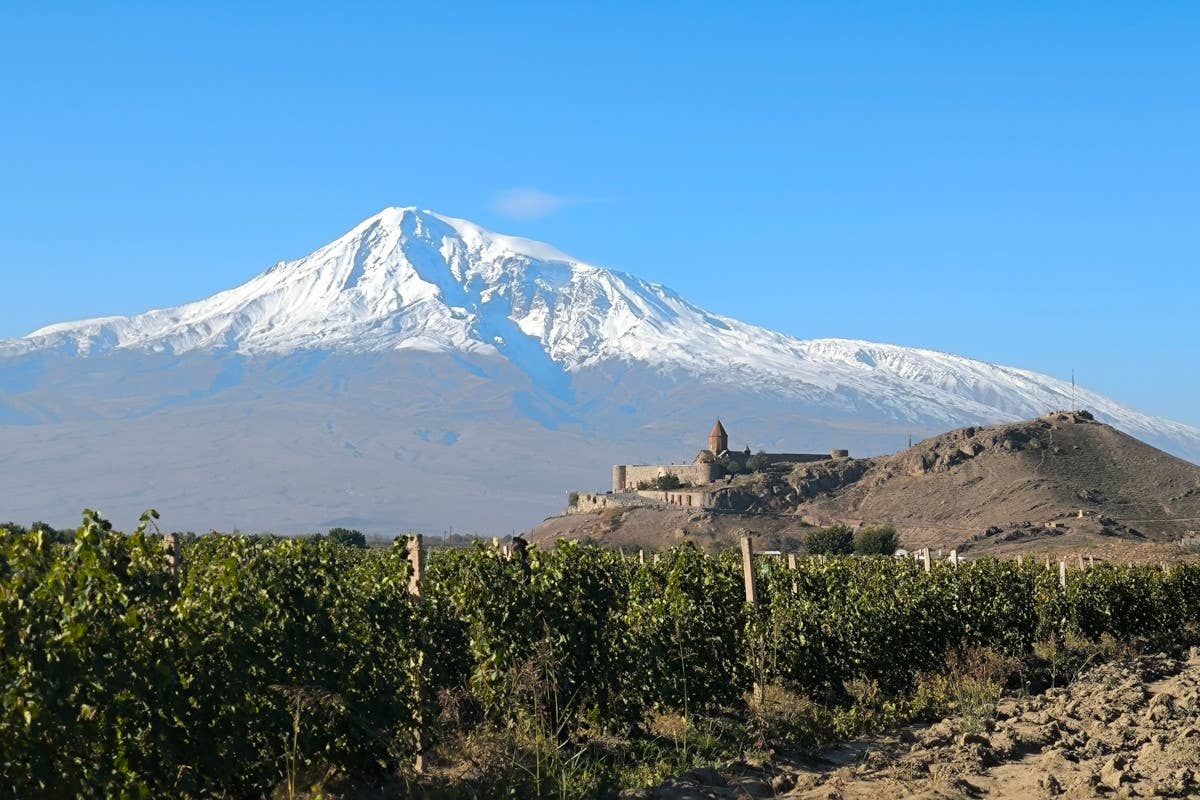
(805, 458)
(593, 502)
(627, 477)
(684, 498)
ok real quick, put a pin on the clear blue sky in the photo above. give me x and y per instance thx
(1018, 181)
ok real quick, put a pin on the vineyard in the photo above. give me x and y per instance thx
(252, 664)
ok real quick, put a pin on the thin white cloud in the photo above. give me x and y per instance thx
(528, 203)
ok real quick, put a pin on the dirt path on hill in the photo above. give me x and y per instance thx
(1127, 729)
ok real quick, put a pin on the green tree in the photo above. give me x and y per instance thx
(836, 540)
(758, 462)
(663, 483)
(876, 540)
(348, 537)
(732, 464)
(668, 482)
(60, 536)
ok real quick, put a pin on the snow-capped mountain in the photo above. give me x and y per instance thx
(588, 364)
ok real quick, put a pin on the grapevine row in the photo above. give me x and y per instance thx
(120, 676)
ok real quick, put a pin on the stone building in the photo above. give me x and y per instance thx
(707, 467)
(718, 440)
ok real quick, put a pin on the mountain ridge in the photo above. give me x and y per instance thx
(592, 366)
(408, 279)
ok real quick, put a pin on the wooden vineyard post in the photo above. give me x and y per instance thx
(1062, 573)
(925, 560)
(1081, 560)
(1091, 561)
(791, 562)
(954, 558)
(1020, 560)
(642, 557)
(748, 572)
(751, 593)
(173, 556)
(416, 557)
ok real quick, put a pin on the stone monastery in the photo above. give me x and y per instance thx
(691, 485)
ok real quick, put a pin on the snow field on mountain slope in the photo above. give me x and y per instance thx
(413, 280)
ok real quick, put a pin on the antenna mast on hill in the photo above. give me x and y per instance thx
(1072, 390)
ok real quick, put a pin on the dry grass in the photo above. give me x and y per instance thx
(970, 685)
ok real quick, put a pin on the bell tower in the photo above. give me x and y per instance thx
(718, 440)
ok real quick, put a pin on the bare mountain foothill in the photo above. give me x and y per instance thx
(659, 527)
(1060, 484)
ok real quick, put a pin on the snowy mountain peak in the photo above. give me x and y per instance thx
(406, 279)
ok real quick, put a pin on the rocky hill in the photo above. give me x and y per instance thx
(1062, 482)
(1062, 475)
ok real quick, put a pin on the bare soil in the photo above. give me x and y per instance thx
(658, 528)
(1124, 729)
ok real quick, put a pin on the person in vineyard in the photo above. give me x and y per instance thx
(520, 550)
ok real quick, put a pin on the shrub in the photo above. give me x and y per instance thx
(758, 462)
(687, 625)
(348, 537)
(88, 707)
(732, 464)
(60, 536)
(554, 641)
(836, 540)
(272, 630)
(876, 540)
(663, 483)
(1128, 602)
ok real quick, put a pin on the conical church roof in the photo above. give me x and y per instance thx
(718, 430)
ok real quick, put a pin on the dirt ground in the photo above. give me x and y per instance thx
(660, 527)
(1124, 729)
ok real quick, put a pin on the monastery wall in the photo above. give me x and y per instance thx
(626, 477)
(684, 498)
